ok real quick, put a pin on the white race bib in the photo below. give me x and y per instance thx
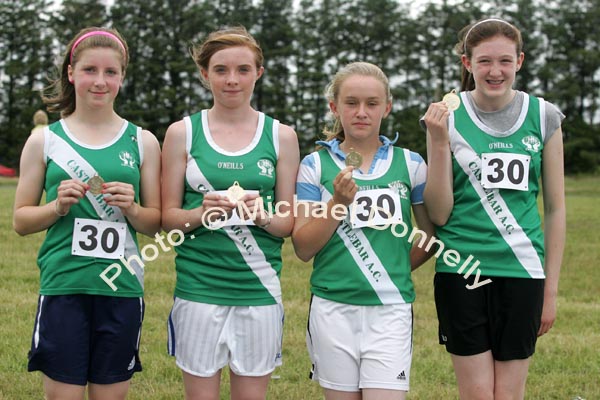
(98, 238)
(376, 207)
(505, 171)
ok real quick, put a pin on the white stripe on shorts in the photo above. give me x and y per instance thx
(36, 333)
(137, 344)
(206, 337)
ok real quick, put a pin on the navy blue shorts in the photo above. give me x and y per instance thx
(87, 338)
(503, 316)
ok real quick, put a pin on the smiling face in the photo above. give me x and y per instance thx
(232, 74)
(494, 63)
(97, 76)
(361, 104)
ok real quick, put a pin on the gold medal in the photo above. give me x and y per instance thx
(354, 159)
(235, 192)
(452, 100)
(95, 183)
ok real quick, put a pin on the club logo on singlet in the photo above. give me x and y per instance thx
(266, 167)
(400, 188)
(127, 159)
(532, 144)
(202, 188)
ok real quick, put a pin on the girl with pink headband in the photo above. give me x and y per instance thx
(487, 156)
(96, 33)
(99, 174)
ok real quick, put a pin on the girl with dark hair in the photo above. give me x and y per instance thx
(486, 160)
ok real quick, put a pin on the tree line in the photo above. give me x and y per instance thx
(304, 43)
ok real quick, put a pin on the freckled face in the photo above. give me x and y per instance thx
(232, 74)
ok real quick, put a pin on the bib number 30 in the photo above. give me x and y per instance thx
(505, 171)
(100, 239)
(376, 207)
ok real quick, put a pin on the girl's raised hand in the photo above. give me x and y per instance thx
(344, 187)
(436, 119)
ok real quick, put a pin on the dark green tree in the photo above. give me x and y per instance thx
(24, 60)
(429, 66)
(162, 82)
(439, 26)
(233, 12)
(305, 43)
(570, 77)
(140, 99)
(316, 49)
(406, 84)
(369, 31)
(74, 15)
(273, 93)
(574, 57)
(188, 23)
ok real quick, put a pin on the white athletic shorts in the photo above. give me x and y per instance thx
(360, 347)
(206, 337)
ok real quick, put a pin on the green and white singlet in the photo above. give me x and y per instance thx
(63, 269)
(496, 183)
(238, 264)
(365, 265)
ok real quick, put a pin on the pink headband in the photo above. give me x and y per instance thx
(94, 33)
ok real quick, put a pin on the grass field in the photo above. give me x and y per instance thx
(566, 364)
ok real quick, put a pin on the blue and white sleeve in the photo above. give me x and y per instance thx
(417, 168)
(308, 186)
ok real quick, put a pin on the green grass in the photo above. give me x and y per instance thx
(566, 364)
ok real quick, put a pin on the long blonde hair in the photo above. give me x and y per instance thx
(333, 90)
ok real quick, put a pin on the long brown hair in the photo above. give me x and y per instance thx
(471, 35)
(59, 95)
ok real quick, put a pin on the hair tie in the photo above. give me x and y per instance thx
(95, 33)
(481, 22)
